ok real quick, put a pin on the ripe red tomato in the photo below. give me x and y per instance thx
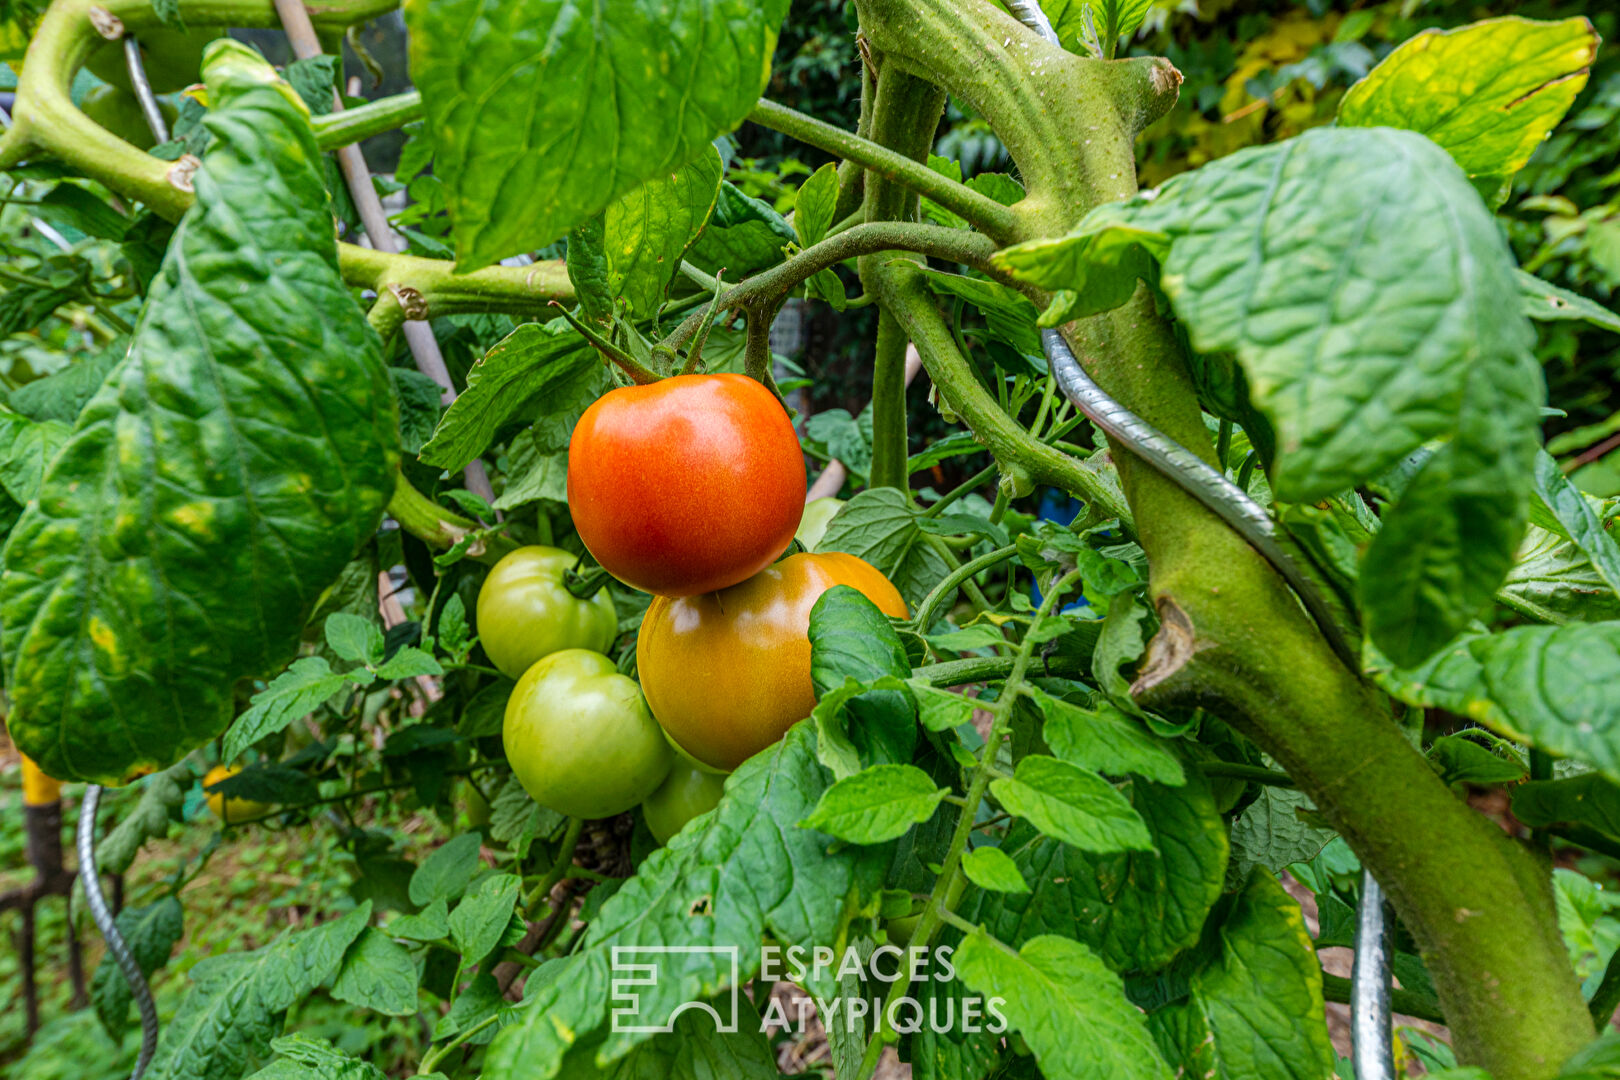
(687, 485)
(727, 673)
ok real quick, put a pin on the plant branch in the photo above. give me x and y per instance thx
(1269, 777)
(363, 121)
(951, 867)
(769, 287)
(440, 528)
(902, 292)
(994, 219)
(936, 596)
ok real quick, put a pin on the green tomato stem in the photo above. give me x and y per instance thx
(950, 869)
(361, 122)
(770, 286)
(996, 220)
(559, 868)
(1256, 773)
(431, 1059)
(928, 609)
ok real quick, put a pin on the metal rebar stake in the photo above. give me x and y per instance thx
(103, 916)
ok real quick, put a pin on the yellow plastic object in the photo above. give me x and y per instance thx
(38, 789)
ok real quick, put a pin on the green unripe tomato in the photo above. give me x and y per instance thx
(474, 803)
(171, 58)
(818, 514)
(525, 612)
(684, 794)
(580, 737)
(119, 111)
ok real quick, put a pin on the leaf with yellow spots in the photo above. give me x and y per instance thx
(220, 479)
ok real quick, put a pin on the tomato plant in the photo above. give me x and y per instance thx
(687, 485)
(1215, 572)
(728, 672)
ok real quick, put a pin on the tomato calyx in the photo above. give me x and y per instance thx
(585, 583)
(638, 372)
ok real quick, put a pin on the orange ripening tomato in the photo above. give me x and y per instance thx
(727, 673)
(686, 485)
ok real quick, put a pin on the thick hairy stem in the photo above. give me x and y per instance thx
(996, 220)
(901, 292)
(1049, 123)
(905, 112)
(1234, 639)
(889, 406)
(775, 283)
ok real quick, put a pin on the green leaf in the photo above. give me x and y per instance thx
(1122, 18)
(876, 805)
(1106, 740)
(151, 933)
(1072, 805)
(744, 235)
(1070, 1009)
(162, 794)
(993, 869)
(26, 449)
(304, 1058)
(378, 974)
(1553, 581)
(695, 1050)
(1122, 641)
(1588, 801)
(940, 710)
(1464, 758)
(815, 205)
(851, 639)
(1255, 1008)
(446, 872)
(1136, 910)
(357, 638)
(650, 228)
(221, 478)
(743, 870)
(234, 1006)
(478, 922)
(587, 265)
(582, 103)
(419, 408)
(429, 924)
(70, 206)
(1009, 314)
(1489, 92)
(532, 370)
(880, 526)
(408, 663)
(61, 395)
(861, 724)
(454, 634)
(537, 458)
(296, 692)
(939, 215)
(1543, 301)
(1271, 833)
(477, 1002)
(1577, 519)
(1356, 358)
(314, 78)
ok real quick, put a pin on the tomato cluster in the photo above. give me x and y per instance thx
(690, 488)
